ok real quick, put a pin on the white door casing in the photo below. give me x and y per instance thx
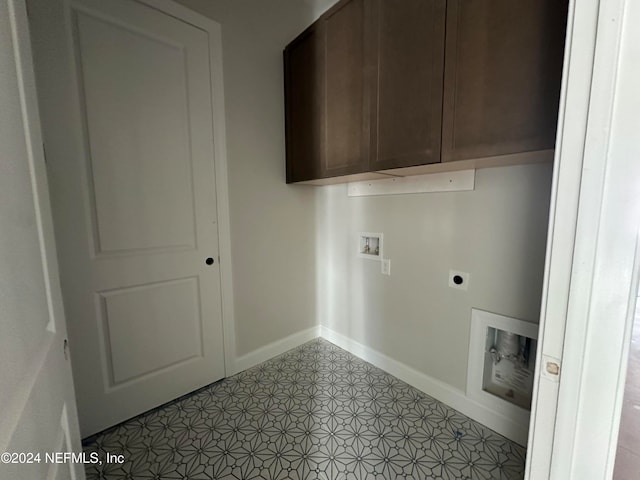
(593, 247)
(572, 124)
(604, 274)
(36, 398)
(128, 118)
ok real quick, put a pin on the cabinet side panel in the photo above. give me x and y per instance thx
(304, 105)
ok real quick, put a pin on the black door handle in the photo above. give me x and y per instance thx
(209, 261)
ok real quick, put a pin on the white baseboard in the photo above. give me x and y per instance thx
(439, 390)
(274, 349)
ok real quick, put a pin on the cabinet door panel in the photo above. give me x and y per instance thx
(409, 65)
(503, 70)
(346, 89)
(304, 105)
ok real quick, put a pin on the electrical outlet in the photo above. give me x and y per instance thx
(459, 280)
(385, 266)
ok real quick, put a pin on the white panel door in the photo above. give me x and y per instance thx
(125, 93)
(38, 411)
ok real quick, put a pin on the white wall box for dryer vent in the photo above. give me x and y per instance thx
(370, 245)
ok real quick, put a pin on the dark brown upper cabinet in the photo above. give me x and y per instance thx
(406, 86)
(503, 71)
(304, 79)
(406, 90)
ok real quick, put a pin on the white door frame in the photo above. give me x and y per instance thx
(590, 279)
(18, 422)
(220, 164)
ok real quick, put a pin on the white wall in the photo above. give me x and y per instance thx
(497, 233)
(272, 224)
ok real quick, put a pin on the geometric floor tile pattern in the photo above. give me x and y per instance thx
(316, 412)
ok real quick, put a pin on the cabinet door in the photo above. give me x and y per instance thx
(347, 121)
(503, 70)
(304, 105)
(407, 94)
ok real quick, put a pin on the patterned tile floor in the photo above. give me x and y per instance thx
(316, 412)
